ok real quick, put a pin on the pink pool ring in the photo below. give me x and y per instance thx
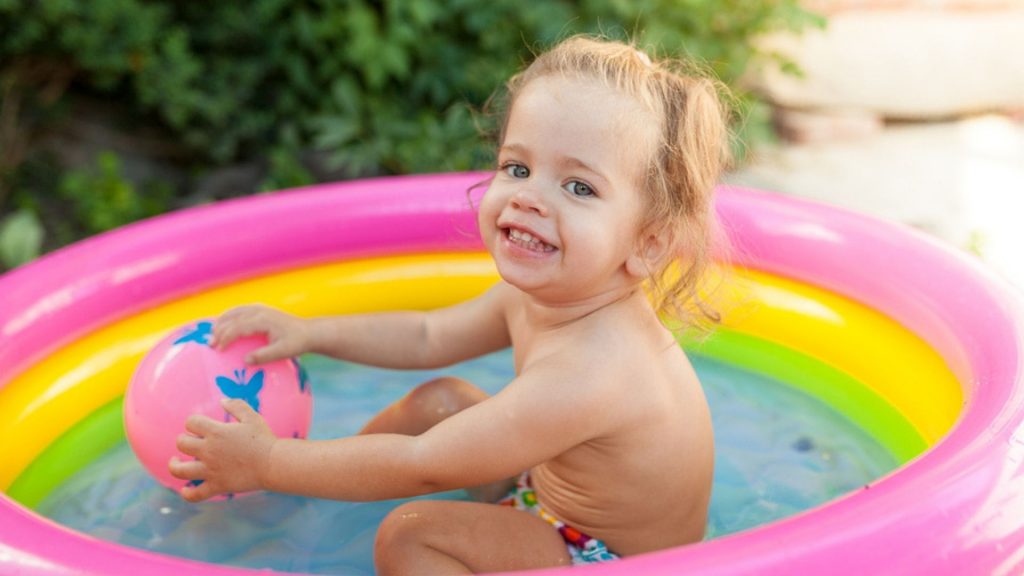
(955, 509)
(183, 375)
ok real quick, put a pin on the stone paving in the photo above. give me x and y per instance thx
(962, 181)
(908, 110)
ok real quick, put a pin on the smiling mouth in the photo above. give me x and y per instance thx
(527, 241)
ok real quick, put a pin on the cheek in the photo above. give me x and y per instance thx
(484, 205)
(593, 239)
(487, 213)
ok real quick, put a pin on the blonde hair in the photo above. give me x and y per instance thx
(689, 156)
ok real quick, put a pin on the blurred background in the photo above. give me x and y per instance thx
(116, 110)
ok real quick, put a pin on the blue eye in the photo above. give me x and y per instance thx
(516, 170)
(577, 188)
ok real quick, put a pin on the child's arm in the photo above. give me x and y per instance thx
(391, 339)
(537, 417)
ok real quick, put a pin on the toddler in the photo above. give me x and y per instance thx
(601, 446)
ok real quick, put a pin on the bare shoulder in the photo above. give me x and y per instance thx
(639, 370)
(634, 351)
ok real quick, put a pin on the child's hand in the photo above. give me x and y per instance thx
(230, 457)
(288, 335)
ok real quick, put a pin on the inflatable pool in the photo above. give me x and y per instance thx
(917, 344)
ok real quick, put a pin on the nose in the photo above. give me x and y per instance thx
(529, 201)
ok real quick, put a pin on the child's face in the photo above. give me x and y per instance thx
(561, 217)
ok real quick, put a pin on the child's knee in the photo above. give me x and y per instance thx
(444, 396)
(400, 533)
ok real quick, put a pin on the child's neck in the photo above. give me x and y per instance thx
(544, 314)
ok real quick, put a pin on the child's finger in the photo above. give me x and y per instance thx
(188, 444)
(196, 493)
(224, 332)
(229, 326)
(220, 334)
(269, 353)
(235, 313)
(240, 409)
(233, 330)
(186, 469)
(200, 425)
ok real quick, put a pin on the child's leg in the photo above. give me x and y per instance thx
(439, 537)
(428, 404)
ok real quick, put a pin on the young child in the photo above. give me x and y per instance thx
(602, 444)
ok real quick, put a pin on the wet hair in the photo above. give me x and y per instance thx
(682, 169)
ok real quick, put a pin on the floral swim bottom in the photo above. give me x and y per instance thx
(582, 548)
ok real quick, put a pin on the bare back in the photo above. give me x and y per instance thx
(642, 482)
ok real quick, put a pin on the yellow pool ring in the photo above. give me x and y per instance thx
(858, 340)
(50, 397)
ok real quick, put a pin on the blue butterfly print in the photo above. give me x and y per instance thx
(303, 375)
(201, 334)
(239, 388)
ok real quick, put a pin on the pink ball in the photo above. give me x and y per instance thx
(183, 375)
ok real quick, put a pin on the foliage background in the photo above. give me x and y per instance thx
(293, 91)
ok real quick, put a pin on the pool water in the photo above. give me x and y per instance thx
(778, 451)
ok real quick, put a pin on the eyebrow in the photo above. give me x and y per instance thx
(577, 163)
(518, 148)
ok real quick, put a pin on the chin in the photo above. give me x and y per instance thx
(521, 279)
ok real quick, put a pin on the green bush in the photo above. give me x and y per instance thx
(102, 199)
(382, 87)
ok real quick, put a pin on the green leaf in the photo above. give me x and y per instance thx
(21, 238)
(335, 131)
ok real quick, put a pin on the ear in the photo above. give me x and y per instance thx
(650, 252)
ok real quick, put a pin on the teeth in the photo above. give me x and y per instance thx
(517, 235)
(527, 240)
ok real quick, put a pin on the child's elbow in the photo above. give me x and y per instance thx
(432, 472)
(434, 479)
